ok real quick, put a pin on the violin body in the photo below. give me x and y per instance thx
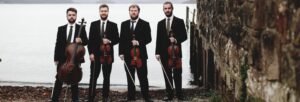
(70, 72)
(174, 61)
(105, 58)
(135, 55)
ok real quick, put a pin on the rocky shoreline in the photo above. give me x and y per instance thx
(43, 94)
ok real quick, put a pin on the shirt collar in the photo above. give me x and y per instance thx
(135, 20)
(104, 21)
(69, 24)
(171, 18)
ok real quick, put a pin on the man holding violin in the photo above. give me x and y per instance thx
(171, 33)
(135, 35)
(67, 34)
(102, 37)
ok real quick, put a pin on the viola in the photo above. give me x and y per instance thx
(70, 72)
(173, 51)
(135, 55)
(105, 58)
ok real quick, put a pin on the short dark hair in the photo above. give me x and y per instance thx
(168, 2)
(104, 6)
(133, 6)
(71, 9)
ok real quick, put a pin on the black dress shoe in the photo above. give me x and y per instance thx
(106, 99)
(88, 101)
(52, 100)
(168, 98)
(130, 99)
(148, 100)
(181, 98)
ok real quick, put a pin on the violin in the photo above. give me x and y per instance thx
(70, 72)
(173, 51)
(105, 58)
(135, 55)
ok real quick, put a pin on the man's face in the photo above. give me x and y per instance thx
(71, 16)
(134, 13)
(168, 10)
(103, 13)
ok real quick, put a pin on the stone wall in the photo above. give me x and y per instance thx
(252, 48)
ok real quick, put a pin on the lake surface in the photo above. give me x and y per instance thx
(28, 34)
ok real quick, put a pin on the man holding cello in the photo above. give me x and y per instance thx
(171, 33)
(102, 37)
(66, 35)
(135, 35)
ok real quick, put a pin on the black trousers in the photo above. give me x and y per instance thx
(95, 71)
(142, 74)
(58, 87)
(174, 74)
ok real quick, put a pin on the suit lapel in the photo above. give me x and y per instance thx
(137, 25)
(173, 23)
(107, 26)
(64, 30)
(165, 27)
(129, 25)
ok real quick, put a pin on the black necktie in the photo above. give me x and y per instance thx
(168, 25)
(102, 28)
(70, 34)
(132, 26)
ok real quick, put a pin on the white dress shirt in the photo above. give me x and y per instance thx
(73, 31)
(171, 20)
(105, 23)
(134, 24)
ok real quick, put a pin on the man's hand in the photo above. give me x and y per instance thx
(157, 57)
(78, 40)
(106, 41)
(173, 40)
(135, 42)
(122, 57)
(92, 57)
(56, 63)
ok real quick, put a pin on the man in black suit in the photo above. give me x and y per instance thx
(102, 32)
(176, 25)
(135, 32)
(67, 34)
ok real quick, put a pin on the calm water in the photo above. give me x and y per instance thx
(28, 34)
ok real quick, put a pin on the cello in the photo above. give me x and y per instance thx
(70, 72)
(135, 55)
(173, 51)
(105, 58)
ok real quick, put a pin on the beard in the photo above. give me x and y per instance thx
(134, 18)
(103, 18)
(169, 14)
(71, 20)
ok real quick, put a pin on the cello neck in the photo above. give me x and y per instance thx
(82, 24)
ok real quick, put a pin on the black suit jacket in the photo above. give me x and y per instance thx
(95, 39)
(61, 42)
(162, 40)
(142, 33)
